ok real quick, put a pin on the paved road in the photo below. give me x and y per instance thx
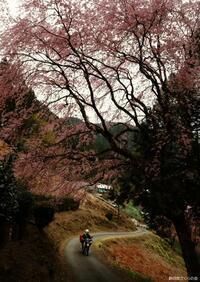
(90, 269)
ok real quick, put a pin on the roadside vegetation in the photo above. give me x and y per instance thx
(133, 211)
(143, 258)
(137, 277)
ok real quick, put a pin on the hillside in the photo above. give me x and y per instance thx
(144, 259)
(91, 215)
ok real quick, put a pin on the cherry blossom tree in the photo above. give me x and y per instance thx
(16, 101)
(114, 62)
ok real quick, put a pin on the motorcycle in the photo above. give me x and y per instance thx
(87, 244)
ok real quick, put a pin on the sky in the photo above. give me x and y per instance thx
(13, 6)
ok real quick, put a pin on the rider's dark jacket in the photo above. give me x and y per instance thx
(86, 236)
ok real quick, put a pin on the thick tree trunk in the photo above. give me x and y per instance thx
(187, 245)
(4, 232)
(118, 211)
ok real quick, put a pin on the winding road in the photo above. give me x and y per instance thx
(91, 269)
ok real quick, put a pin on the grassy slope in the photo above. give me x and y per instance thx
(147, 256)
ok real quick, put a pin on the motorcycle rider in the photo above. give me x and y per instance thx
(85, 236)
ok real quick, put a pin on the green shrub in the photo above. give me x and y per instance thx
(43, 215)
(138, 277)
(48, 138)
(42, 198)
(109, 216)
(133, 211)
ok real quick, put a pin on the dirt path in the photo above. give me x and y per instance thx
(90, 269)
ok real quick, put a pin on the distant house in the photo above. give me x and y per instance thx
(103, 188)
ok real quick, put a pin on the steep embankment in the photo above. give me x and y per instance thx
(144, 258)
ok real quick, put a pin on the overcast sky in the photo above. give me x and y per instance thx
(13, 6)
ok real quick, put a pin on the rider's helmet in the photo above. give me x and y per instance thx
(87, 231)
